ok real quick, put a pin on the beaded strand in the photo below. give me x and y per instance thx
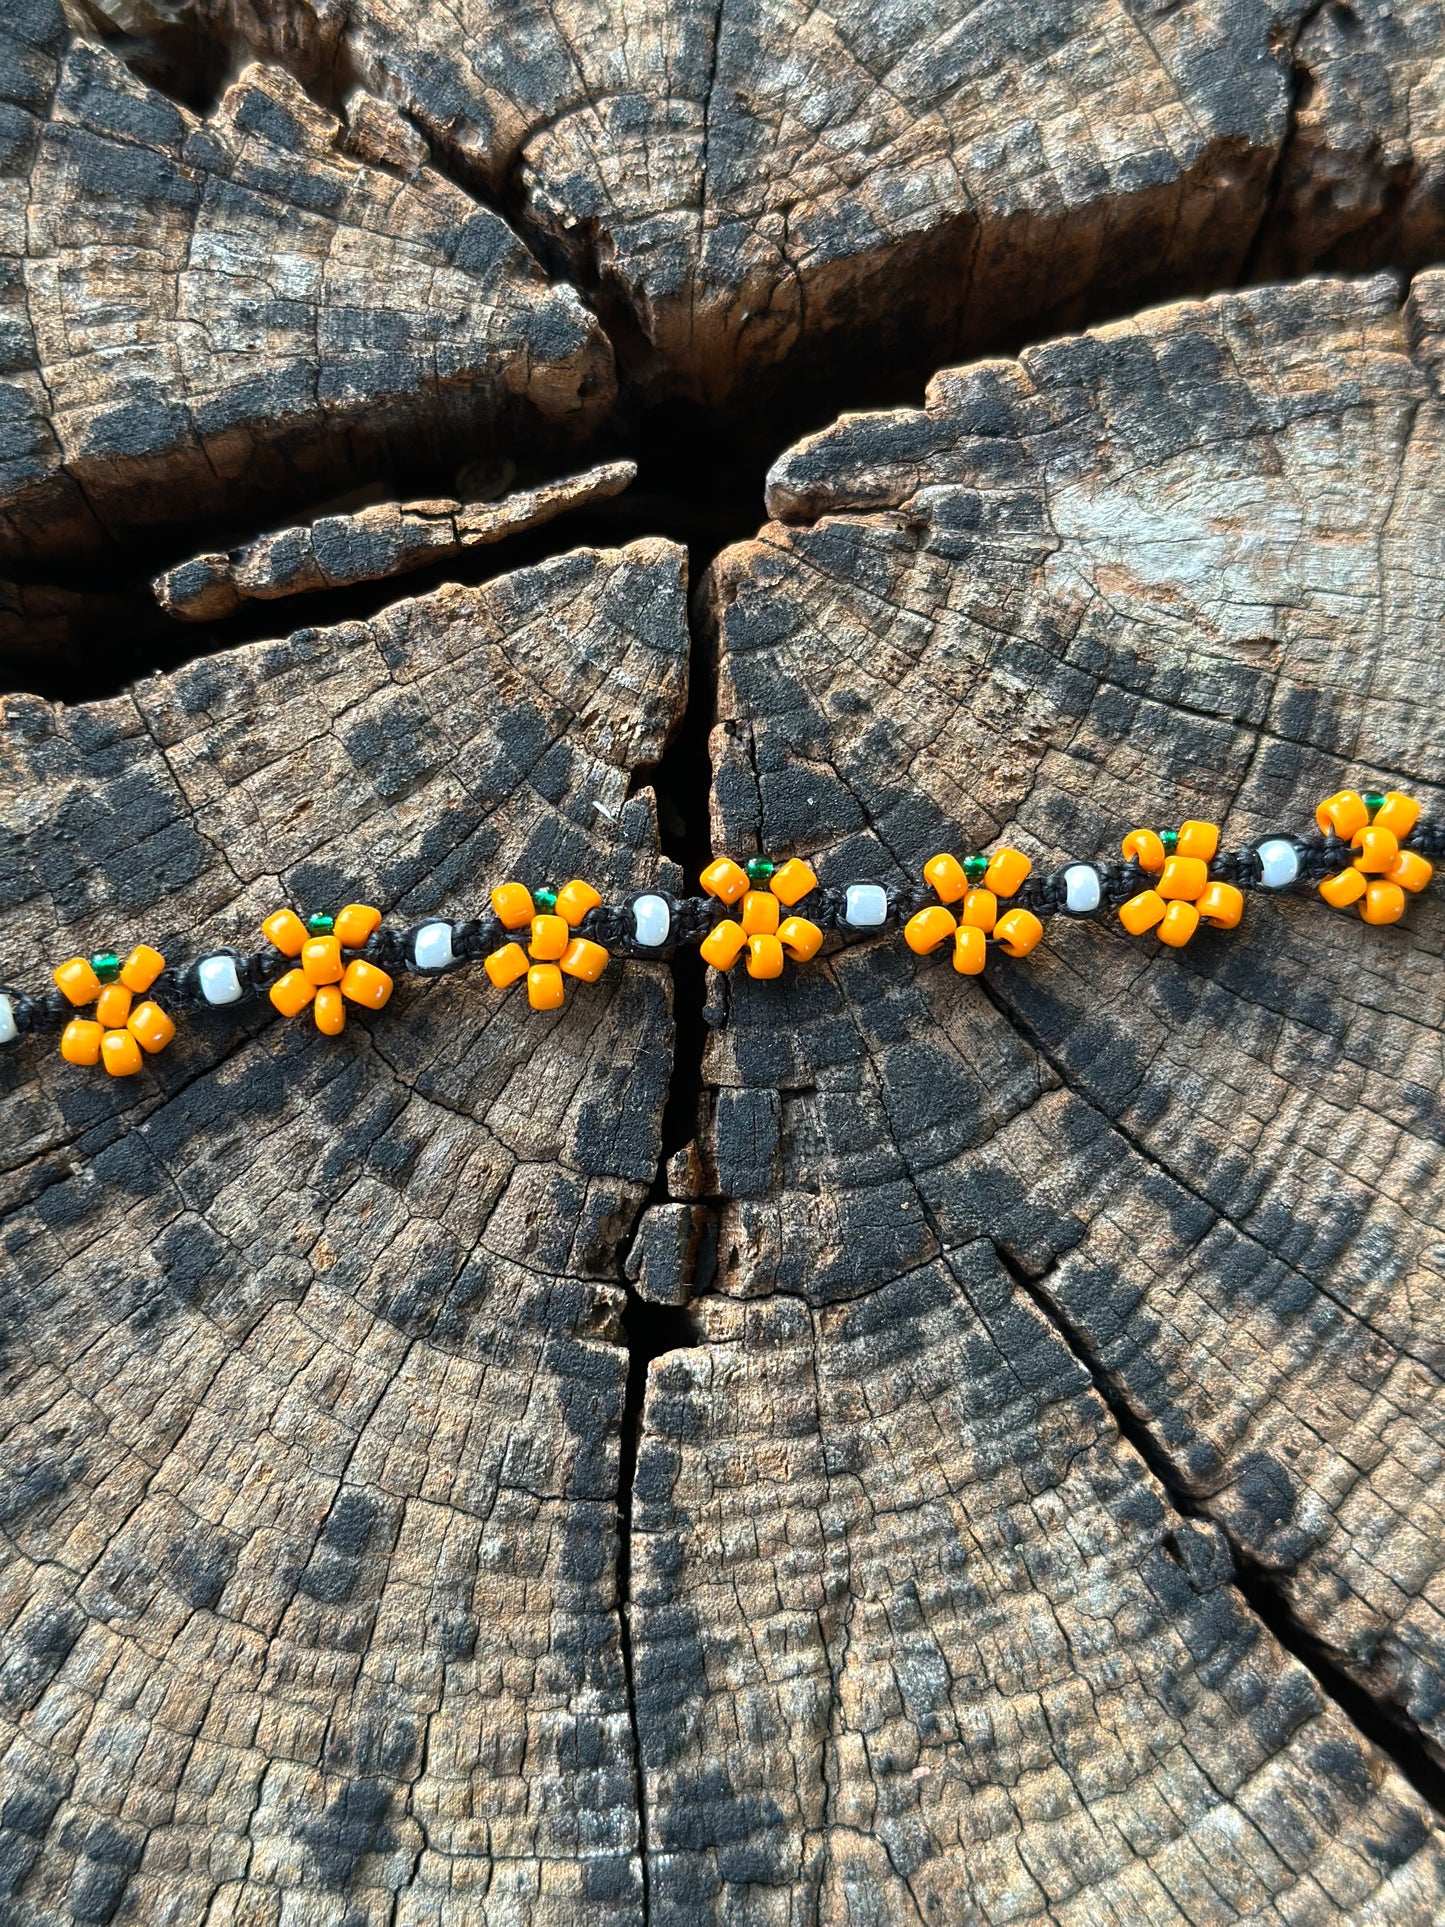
(1370, 851)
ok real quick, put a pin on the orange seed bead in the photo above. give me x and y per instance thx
(980, 908)
(80, 1041)
(1377, 849)
(765, 956)
(355, 923)
(120, 1053)
(945, 875)
(292, 993)
(1183, 877)
(585, 959)
(760, 913)
(286, 931)
(545, 989)
(1343, 888)
(1006, 870)
(112, 1006)
(506, 965)
(78, 981)
(1411, 871)
(575, 899)
(363, 983)
(550, 937)
(1398, 814)
(513, 905)
(723, 944)
(1179, 923)
(792, 881)
(1383, 902)
(141, 968)
(329, 1010)
(1147, 846)
(927, 929)
(1198, 839)
(1221, 905)
(1344, 813)
(970, 950)
(321, 960)
(1017, 932)
(725, 880)
(151, 1028)
(801, 938)
(1141, 913)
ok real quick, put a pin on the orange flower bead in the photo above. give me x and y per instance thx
(724, 944)
(800, 938)
(575, 899)
(550, 937)
(355, 924)
(970, 949)
(1017, 932)
(792, 881)
(1006, 870)
(1398, 814)
(1198, 839)
(929, 928)
(292, 993)
(1344, 813)
(1141, 913)
(1377, 849)
(329, 1010)
(321, 960)
(286, 931)
(585, 959)
(151, 1028)
(513, 905)
(945, 875)
(112, 1006)
(545, 989)
(760, 913)
(506, 965)
(120, 1053)
(1344, 888)
(765, 957)
(1411, 871)
(78, 981)
(80, 1041)
(1384, 902)
(141, 968)
(1148, 847)
(1220, 905)
(363, 983)
(1179, 923)
(725, 880)
(1182, 879)
(980, 908)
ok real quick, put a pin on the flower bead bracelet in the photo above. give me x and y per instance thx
(1370, 852)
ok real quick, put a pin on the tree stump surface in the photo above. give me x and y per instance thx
(870, 1448)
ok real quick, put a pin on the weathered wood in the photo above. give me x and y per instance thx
(201, 315)
(915, 1631)
(313, 1379)
(385, 539)
(765, 185)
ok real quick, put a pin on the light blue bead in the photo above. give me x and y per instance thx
(432, 947)
(1278, 862)
(8, 1032)
(218, 980)
(1081, 889)
(651, 920)
(866, 905)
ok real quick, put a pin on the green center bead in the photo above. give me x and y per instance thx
(545, 899)
(1170, 839)
(975, 868)
(1373, 801)
(319, 924)
(106, 966)
(759, 868)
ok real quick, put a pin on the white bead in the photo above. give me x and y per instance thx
(8, 1032)
(1081, 889)
(866, 905)
(652, 920)
(432, 947)
(218, 980)
(1278, 862)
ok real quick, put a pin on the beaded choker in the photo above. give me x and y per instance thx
(1369, 852)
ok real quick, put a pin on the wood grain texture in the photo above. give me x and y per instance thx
(200, 315)
(765, 184)
(313, 1376)
(371, 544)
(1186, 565)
